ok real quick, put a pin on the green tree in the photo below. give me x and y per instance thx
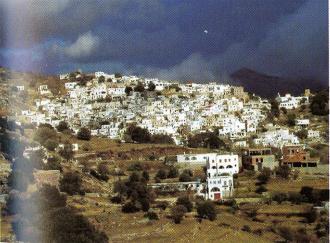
(51, 144)
(71, 183)
(101, 79)
(177, 213)
(128, 90)
(151, 86)
(84, 134)
(139, 87)
(161, 174)
(283, 171)
(320, 103)
(185, 201)
(62, 126)
(206, 210)
(138, 134)
(291, 119)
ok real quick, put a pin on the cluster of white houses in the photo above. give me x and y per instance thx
(107, 109)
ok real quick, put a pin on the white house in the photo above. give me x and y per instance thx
(195, 158)
(43, 89)
(20, 87)
(313, 134)
(70, 85)
(302, 123)
(291, 102)
(223, 164)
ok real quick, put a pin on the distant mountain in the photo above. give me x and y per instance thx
(268, 86)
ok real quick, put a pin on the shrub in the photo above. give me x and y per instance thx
(129, 207)
(116, 199)
(178, 212)
(186, 175)
(51, 144)
(311, 216)
(264, 176)
(145, 175)
(173, 172)
(71, 183)
(295, 197)
(145, 205)
(279, 197)
(42, 134)
(206, 210)
(307, 192)
(283, 171)
(246, 228)
(84, 134)
(286, 233)
(138, 134)
(261, 189)
(62, 126)
(151, 216)
(162, 205)
(135, 167)
(161, 174)
(185, 201)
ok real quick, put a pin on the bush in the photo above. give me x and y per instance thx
(162, 205)
(311, 216)
(145, 175)
(307, 192)
(62, 126)
(261, 189)
(42, 134)
(151, 216)
(320, 103)
(51, 144)
(162, 139)
(264, 176)
(291, 119)
(186, 175)
(135, 167)
(206, 210)
(71, 183)
(295, 197)
(246, 228)
(139, 87)
(116, 199)
(138, 134)
(185, 201)
(283, 171)
(84, 134)
(279, 197)
(173, 172)
(178, 212)
(286, 233)
(161, 174)
(129, 207)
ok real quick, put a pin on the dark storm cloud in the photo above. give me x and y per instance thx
(167, 39)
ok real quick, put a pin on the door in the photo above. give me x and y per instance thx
(217, 196)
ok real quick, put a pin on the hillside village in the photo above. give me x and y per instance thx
(119, 145)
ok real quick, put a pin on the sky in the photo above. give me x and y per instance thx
(170, 39)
